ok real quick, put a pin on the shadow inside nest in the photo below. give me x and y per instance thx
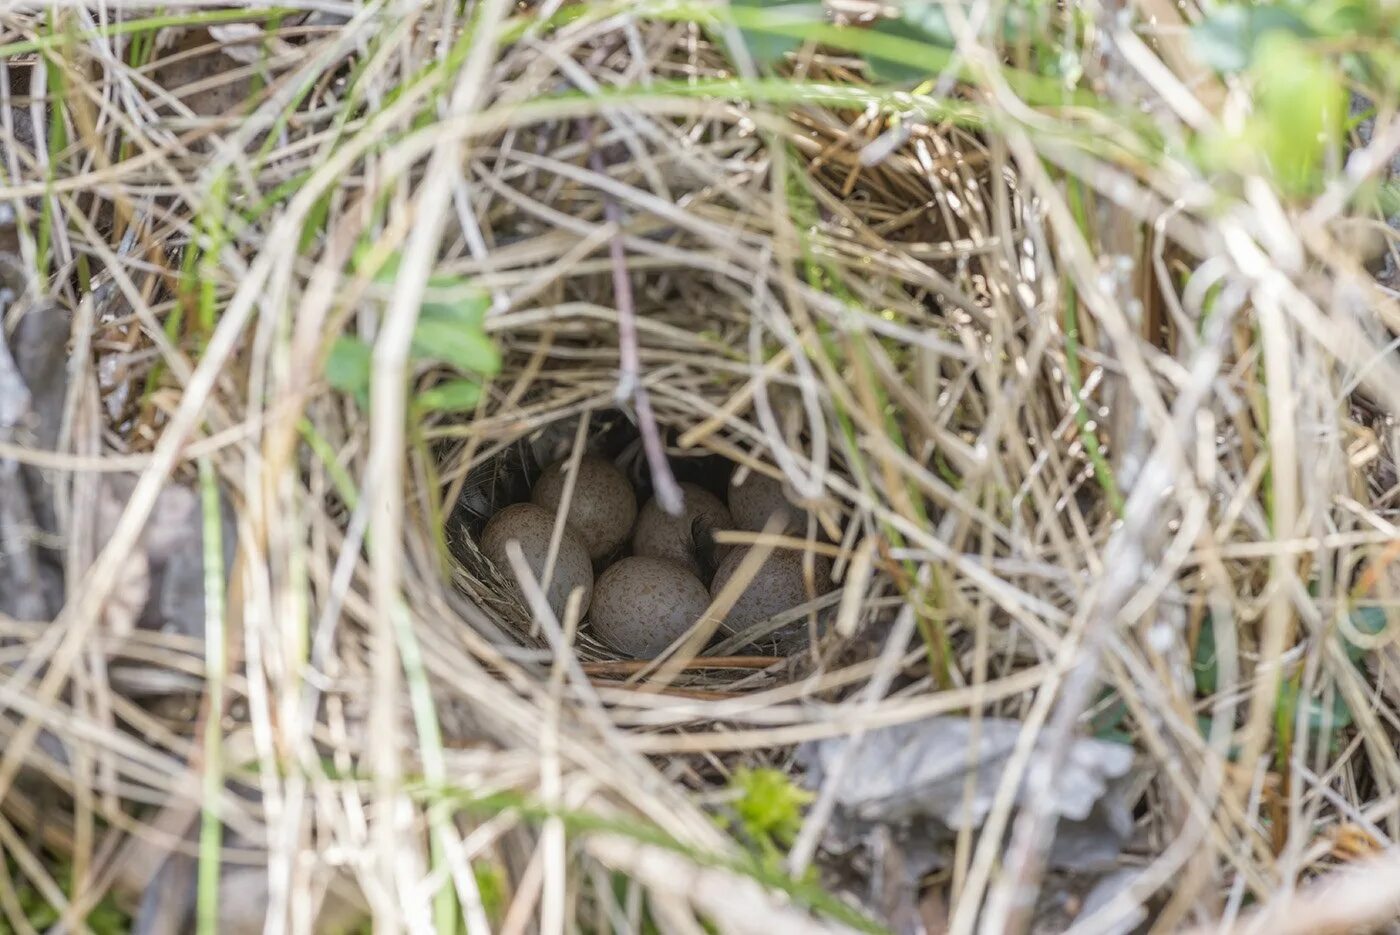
(724, 507)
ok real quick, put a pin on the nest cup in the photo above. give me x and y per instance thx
(510, 475)
(973, 355)
(720, 329)
(748, 362)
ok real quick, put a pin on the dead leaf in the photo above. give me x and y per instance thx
(14, 393)
(24, 593)
(1103, 892)
(248, 43)
(168, 905)
(32, 392)
(919, 770)
(169, 899)
(172, 545)
(40, 343)
(912, 780)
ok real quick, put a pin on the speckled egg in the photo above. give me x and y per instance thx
(778, 586)
(533, 526)
(602, 508)
(641, 605)
(684, 539)
(757, 498)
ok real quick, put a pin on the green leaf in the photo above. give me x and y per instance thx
(1316, 716)
(491, 883)
(1345, 19)
(451, 319)
(1115, 735)
(361, 260)
(1226, 39)
(461, 346)
(452, 298)
(1109, 713)
(348, 368)
(1205, 724)
(1204, 664)
(452, 396)
(925, 22)
(769, 804)
(766, 45)
(447, 297)
(1388, 197)
(1301, 110)
(1368, 620)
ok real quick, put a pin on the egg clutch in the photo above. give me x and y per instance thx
(656, 573)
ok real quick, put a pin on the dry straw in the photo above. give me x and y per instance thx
(863, 293)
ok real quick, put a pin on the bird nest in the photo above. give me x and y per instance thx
(884, 306)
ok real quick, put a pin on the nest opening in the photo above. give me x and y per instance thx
(514, 464)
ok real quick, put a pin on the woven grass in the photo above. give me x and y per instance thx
(1049, 407)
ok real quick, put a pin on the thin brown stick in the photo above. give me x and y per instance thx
(632, 666)
(629, 384)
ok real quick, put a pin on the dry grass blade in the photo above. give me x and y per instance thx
(1064, 333)
(1358, 898)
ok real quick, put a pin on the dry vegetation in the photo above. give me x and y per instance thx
(1099, 437)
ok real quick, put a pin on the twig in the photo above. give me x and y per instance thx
(668, 492)
(692, 694)
(631, 666)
